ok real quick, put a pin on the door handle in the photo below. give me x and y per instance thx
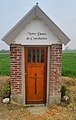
(25, 73)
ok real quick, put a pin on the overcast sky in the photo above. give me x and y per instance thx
(62, 12)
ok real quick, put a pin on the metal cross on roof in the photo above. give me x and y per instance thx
(37, 3)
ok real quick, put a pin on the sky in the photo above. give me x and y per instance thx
(62, 12)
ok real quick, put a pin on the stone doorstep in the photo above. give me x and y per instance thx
(35, 105)
(37, 110)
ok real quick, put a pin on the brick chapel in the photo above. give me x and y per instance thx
(35, 59)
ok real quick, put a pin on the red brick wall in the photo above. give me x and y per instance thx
(55, 69)
(16, 68)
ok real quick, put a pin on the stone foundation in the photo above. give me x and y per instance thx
(17, 99)
(56, 99)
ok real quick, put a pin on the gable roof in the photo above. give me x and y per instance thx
(34, 12)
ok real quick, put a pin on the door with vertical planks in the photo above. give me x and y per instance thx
(35, 74)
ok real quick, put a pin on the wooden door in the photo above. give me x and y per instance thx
(35, 76)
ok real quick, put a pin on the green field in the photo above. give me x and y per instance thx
(68, 64)
(4, 64)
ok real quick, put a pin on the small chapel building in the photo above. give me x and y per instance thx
(35, 59)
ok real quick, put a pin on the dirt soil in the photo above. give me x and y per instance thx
(57, 112)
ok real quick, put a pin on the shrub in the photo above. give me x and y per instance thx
(63, 91)
(6, 90)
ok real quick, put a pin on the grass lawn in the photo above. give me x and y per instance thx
(68, 64)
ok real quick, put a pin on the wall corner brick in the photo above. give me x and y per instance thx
(16, 69)
(55, 71)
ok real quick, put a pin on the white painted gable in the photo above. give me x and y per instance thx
(19, 33)
(36, 33)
